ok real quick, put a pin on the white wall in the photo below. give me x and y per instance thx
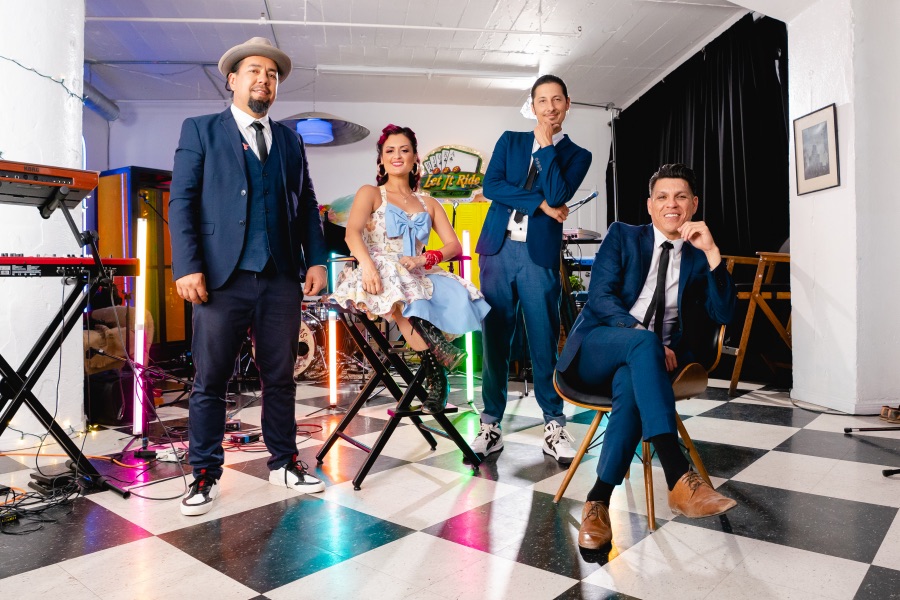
(146, 135)
(843, 274)
(876, 48)
(42, 125)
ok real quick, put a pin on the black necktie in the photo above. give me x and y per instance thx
(657, 306)
(260, 141)
(529, 183)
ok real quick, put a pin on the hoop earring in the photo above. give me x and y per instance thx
(381, 171)
(415, 169)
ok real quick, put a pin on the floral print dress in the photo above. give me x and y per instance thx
(451, 303)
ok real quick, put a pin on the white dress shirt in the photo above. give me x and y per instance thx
(672, 274)
(518, 232)
(245, 126)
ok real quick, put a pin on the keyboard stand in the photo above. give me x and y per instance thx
(16, 385)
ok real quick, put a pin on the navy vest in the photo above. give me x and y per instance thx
(267, 233)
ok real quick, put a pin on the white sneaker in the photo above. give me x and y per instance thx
(488, 440)
(558, 443)
(293, 475)
(200, 496)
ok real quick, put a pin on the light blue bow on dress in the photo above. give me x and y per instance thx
(416, 227)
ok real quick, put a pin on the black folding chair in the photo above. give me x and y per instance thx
(383, 357)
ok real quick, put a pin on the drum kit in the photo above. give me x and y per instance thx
(312, 348)
(311, 363)
(312, 352)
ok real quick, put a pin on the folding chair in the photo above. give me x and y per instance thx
(383, 357)
(759, 294)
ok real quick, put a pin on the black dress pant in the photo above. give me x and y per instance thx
(269, 306)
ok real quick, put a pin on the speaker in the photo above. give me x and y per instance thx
(108, 398)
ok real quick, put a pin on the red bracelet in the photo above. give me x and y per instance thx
(432, 257)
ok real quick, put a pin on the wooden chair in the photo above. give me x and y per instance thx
(759, 293)
(691, 380)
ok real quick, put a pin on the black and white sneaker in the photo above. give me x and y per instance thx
(294, 475)
(558, 443)
(200, 495)
(488, 440)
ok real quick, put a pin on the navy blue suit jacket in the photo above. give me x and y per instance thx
(560, 171)
(705, 297)
(208, 200)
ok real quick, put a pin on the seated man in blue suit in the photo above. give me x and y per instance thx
(245, 226)
(651, 287)
(531, 176)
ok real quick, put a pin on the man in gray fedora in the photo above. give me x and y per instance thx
(247, 244)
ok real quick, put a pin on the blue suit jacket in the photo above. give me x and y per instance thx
(705, 297)
(208, 200)
(560, 171)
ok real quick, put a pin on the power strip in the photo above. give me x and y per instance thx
(168, 456)
(244, 438)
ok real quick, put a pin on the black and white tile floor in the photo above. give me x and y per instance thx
(815, 518)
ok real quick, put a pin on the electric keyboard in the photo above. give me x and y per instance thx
(65, 266)
(34, 185)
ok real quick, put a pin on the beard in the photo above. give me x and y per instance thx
(259, 107)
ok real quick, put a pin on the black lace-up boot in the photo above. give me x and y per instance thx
(436, 384)
(446, 353)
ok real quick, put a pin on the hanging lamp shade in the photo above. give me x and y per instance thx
(323, 129)
(315, 131)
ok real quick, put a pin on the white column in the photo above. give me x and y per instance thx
(877, 85)
(843, 266)
(41, 124)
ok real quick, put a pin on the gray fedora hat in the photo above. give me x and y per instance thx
(258, 46)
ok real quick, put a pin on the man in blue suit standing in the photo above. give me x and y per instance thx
(529, 179)
(245, 232)
(653, 289)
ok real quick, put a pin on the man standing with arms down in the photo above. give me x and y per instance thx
(530, 178)
(244, 224)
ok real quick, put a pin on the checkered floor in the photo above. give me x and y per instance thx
(815, 517)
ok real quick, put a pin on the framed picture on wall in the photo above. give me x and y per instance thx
(816, 151)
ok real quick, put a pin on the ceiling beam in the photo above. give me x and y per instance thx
(268, 22)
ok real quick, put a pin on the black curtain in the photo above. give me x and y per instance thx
(724, 113)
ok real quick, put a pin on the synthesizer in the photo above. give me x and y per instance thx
(35, 185)
(64, 266)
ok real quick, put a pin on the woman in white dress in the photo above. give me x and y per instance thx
(396, 278)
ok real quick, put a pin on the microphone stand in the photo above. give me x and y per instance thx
(616, 112)
(455, 205)
(582, 202)
(149, 371)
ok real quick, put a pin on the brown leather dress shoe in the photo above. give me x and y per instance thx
(694, 498)
(595, 531)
